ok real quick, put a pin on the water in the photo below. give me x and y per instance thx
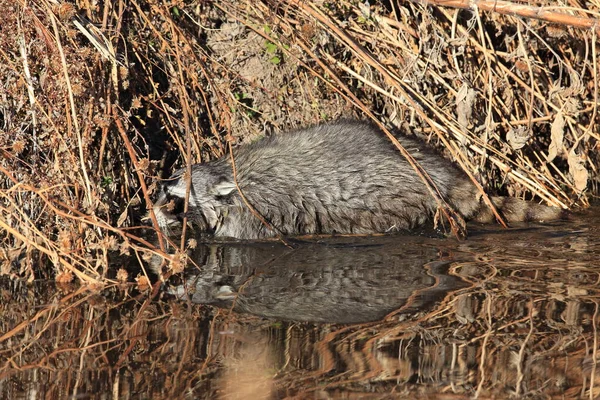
(504, 313)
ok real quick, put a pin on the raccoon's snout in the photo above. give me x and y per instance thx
(173, 204)
(177, 204)
(168, 207)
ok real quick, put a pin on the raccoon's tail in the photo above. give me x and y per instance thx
(517, 210)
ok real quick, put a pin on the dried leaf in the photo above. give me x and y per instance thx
(465, 100)
(517, 137)
(122, 218)
(557, 134)
(577, 170)
(572, 106)
(365, 9)
(576, 88)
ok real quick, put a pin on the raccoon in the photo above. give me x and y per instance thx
(339, 178)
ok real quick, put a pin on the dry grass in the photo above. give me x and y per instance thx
(96, 102)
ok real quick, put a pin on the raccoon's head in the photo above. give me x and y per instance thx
(211, 193)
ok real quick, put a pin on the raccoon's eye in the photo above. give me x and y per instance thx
(224, 200)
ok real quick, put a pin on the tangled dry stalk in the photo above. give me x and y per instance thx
(98, 101)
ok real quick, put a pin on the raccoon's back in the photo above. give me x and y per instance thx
(345, 177)
(348, 177)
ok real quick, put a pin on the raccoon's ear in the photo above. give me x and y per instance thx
(224, 188)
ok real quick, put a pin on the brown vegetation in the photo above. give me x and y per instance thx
(98, 101)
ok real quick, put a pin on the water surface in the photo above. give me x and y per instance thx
(504, 313)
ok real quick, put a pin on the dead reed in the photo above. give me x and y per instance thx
(97, 101)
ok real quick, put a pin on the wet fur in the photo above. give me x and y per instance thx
(344, 177)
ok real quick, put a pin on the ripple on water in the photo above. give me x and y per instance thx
(504, 313)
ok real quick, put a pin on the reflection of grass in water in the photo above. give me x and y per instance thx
(248, 369)
(525, 325)
(155, 349)
(514, 332)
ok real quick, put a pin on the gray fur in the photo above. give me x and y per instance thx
(344, 177)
